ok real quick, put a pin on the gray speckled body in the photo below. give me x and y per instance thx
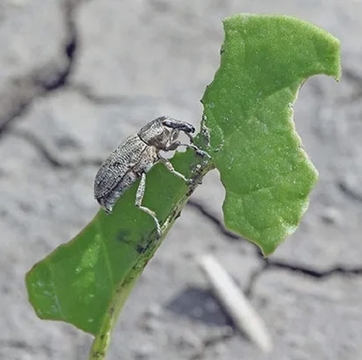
(135, 156)
(121, 169)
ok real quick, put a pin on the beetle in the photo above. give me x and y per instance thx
(135, 156)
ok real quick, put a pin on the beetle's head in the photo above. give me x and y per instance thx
(163, 130)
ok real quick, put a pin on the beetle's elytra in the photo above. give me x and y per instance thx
(135, 156)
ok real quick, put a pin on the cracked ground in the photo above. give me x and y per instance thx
(79, 76)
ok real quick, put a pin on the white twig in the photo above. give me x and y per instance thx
(236, 304)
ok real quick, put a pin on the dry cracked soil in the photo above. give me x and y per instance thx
(78, 76)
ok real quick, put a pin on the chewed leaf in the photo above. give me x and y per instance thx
(248, 112)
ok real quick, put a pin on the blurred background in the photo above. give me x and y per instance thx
(76, 77)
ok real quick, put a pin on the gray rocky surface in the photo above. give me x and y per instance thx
(78, 76)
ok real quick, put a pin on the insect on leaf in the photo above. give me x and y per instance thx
(266, 174)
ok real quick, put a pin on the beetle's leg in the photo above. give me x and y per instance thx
(197, 150)
(171, 169)
(173, 146)
(139, 197)
(106, 206)
(176, 144)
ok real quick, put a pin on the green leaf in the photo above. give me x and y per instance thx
(87, 281)
(248, 112)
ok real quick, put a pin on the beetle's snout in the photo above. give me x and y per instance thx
(187, 128)
(178, 125)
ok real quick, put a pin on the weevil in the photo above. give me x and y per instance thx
(135, 156)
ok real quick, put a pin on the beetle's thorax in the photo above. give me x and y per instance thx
(157, 135)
